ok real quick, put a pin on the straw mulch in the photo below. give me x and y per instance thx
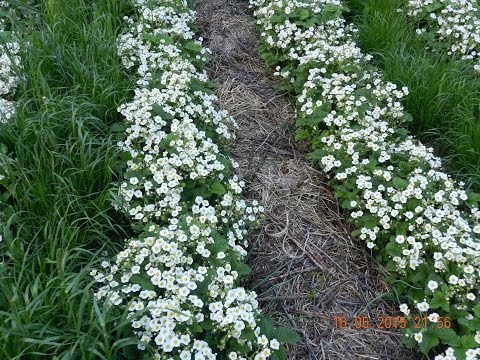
(306, 266)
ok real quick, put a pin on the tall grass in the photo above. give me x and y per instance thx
(62, 167)
(444, 94)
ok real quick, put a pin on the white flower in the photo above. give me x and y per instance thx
(453, 279)
(274, 344)
(404, 309)
(471, 296)
(433, 317)
(423, 306)
(477, 337)
(432, 285)
(418, 337)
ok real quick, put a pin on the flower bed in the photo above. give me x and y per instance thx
(456, 22)
(423, 226)
(180, 276)
(9, 64)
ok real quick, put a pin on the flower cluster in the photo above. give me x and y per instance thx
(456, 22)
(9, 65)
(422, 223)
(179, 277)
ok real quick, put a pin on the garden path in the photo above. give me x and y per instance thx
(306, 266)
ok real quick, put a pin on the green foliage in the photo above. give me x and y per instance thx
(444, 91)
(61, 167)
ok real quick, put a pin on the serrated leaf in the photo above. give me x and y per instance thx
(467, 341)
(277, 18)
(220, 244)
(243, 269)
(207, 325)
(266, 326)
(217, 188)
(399, 183)
(439, 301)
(476, 309)
(280, 354)
(143, 281)
(193, 46)
(286, 335)
(196, 328)
(157, 39)
(467, 324)
(302, 14)
(429, 341)
(447, 336)
(433, 7)
(158, 110)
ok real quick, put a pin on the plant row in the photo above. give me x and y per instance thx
(444, 91)
(454, 22)
(421, 224)
(179, 276)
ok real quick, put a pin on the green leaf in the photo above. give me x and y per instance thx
(158, 110)
(302, 14)
(217, 188)
(278, 18)
(266, 326)
(119, 128)
(439, 301)
(476, 309)
(286, 335)
(429, 341)
(242, 269)
(207, 325)
(468, 342)
(165, 142)
(157, 39)
(448, 336)
(220, 244)
(193, 46)
(393, 248)
(280, 354)
(407, 117)
(399, 183)
(331, 11)
(409, 342)
(310, 22)
(143, 281)
(466, 324)
(433, 7)
(420, 276)
(196, 328)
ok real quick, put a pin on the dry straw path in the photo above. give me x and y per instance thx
(306, 265)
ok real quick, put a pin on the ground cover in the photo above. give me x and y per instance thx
(420, 222)
(443, 88)
(60, 169)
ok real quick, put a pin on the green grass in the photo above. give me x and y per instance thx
(62, 166)
(444, 94)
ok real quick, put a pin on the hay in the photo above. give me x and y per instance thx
(306, 266)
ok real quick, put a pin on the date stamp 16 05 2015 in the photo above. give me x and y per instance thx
(387, 322)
